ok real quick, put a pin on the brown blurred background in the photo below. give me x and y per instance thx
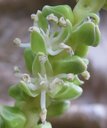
(89, 111)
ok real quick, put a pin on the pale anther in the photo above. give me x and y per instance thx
(62, 22)
(34, 17)
(43, 58)
(70, 76)
(34, 28)
(26, 78)
(67, 48)
(17, 42)
(86, 75)
(16, 69)
(52, 17)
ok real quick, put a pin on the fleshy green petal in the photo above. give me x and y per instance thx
(29, 57)
(60, 10)
(37, 42)
(42, 21)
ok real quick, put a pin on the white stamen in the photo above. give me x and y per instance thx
(70, 76)
(62, 22)
(64, 46)
(56, 81)
(42, 83)
(17, 72)
(34, 17)
(86, 75)
(52, 17)
(68, 48)
(40, 77)
(32, 86)
(61, 76)
(39, 12)
(26, 78)
(48, 30)
(18, 43)
(43, 106)
(43, 99)
(43, 58)
(16, 69)
(34, 28)
(25, 45)
(52, 52)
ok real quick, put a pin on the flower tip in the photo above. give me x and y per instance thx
(70, 76)
(26, 78)
(43, 115)
(33, 16)
(62, 22)
(86, 75)
(34, 28)
(17, 42)
(39, 12)
(16, 69)
(52, 17)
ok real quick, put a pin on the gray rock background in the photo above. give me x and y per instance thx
(14, 22)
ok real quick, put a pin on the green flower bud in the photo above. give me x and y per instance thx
(57, 108)
(87, 33)
(71, 64)
(29, 57)
(60, 11)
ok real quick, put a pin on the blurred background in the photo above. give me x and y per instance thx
(88, 111)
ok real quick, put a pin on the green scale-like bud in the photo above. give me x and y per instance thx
(71, 64)
(87, 33)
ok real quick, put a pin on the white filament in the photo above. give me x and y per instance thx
(18, 43)
(43, 106)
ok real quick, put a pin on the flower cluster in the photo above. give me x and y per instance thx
(55, 59)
